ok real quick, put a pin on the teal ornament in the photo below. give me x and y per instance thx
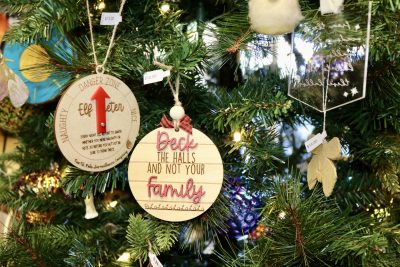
(27, 59)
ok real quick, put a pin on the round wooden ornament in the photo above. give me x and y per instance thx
(96, 122)
(174, 175)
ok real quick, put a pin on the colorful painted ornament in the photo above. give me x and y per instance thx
(3, 25)
(321, 167)
(97, 122)
(175, 174)
(274, 16)
(28, 62)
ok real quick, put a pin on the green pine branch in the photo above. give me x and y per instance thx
(311, 231)
(147, 234)
(39, 17)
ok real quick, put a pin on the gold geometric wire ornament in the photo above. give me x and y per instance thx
(330, 58)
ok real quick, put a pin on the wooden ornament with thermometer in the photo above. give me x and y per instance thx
(97, 119)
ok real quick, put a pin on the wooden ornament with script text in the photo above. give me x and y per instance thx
(96, 122)
(175, 176)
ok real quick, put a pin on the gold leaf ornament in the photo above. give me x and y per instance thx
(321, 167)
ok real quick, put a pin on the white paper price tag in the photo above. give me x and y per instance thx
(110, 18)
(155, 76)
(314, 142)
(155, 262)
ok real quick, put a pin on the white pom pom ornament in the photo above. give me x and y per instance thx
(331, 6)
(177, 113)
(274, 16)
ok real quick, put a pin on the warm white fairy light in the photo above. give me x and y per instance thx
(381, 213)
(101, 6)
(125, 257)
(237, 136)
(113, 204)
(165, 8)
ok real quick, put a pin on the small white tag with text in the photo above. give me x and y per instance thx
(155, 76)
(110, 18)
(314, 142)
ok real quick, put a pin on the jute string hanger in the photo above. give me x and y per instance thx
(100, 68)
(177, 112)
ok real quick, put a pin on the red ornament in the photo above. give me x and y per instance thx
(100, 96)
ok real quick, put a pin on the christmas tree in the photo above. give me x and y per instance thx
(248, 74)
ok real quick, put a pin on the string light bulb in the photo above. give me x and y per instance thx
(282, 215)
(113, 204)
(237, 136)
(125, 257)
(165, 8)
(101, 6)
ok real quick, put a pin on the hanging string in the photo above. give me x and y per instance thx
(325, 98)
(91, 32)
(174, 89)
(175, 92)
(101, 67)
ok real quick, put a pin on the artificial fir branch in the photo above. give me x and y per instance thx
(238, 43)
(232, 34)
(386, 66)
(206, 228)
(142, 231)
(39, 17)
(299, 238)
(259, 99)
(36, 153)
(80, 183)
(28, 248)
(162, 66)
(328, 234)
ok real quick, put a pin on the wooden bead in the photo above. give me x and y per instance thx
(177, 113)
